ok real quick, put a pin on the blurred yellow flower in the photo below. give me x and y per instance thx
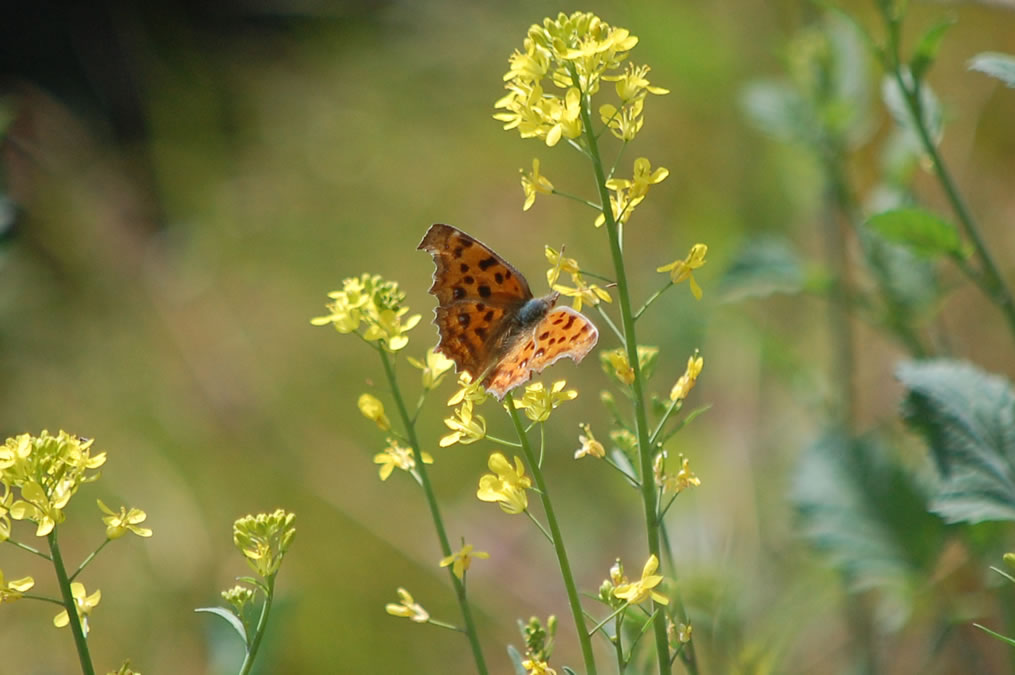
(637, 592)
(465, 427)
(15, 588)
(397, 457)
(589, 445)
(686, 381)
(461, 559)
(373, 410)
(683, 269)
(407, 608)
(434, 366)
(119, 523)
(534, 183)
(84, 604)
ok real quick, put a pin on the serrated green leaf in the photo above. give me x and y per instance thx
(868, 515)
(516, 660)
(995, 64)
(927, 49)
(230, 618)
(967, 417)
(762, 267)
(922, 232)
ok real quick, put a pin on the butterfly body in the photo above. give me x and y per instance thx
(490, 325)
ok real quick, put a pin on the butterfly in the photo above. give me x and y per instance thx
(489, 323)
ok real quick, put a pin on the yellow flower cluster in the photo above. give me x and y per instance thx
(47, 470)
(407, 608)
(264, 539)
(397, 457)
(570, 54)
(370, 302)
(686, 381)
(616, 364)
(627, 194)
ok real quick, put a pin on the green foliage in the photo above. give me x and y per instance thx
(967, 418)
(763, 267)
(868, 514)
(1001, 66)
(932, 119)
(922, 232)
(926, 51)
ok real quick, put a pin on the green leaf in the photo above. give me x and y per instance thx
(930, 108)
(762, 267)
(569, 671)
(967, 417)
(995, 64)
(926, 51)
(777, 109)
(997, 635)
(868, 515)
(516, 660)
(230, 618)
(922, 232)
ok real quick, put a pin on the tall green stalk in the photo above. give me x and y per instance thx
(262, 624)
(435, 513)
(648, 491)
(584, 639)
(80, 641)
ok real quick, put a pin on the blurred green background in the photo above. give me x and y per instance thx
(189, 184)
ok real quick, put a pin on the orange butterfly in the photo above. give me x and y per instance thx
(489, 323)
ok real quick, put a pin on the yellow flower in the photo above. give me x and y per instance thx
(637, 592)
(264, 539)
(239, 597)
(622, 206)
(84, 604)
(6, 499)
(624, 122)
(473, 392)
(565, 117)
(462, 559)
(582, 292)
(119, 523)
(537, 667)
(633, 83)
(13, 590)
(465, 427)
(40, 508)
(559, 264)
(397, 457)
(589, 445)
(533, 183)
(615, 363)
(407, 608)
(539, 402)
(683, 479)
(506, 485)
(679, 633)
(434, 367)
(686, 381)
(644, 178)
(682, 269)
(373, 410)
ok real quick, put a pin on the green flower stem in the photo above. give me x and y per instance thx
(994, 284)
(670, 409)
(556, 539)
(612, 614)
(441, 624)
(580, 200)
(652, 298)
(80, 642)
(538, 524)
(26, 547)
(262, 625)
(631, 344)
(91, 556)
(29, 596)
(609, 322)
(687, 650)
(501, 441)
(435, 513)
